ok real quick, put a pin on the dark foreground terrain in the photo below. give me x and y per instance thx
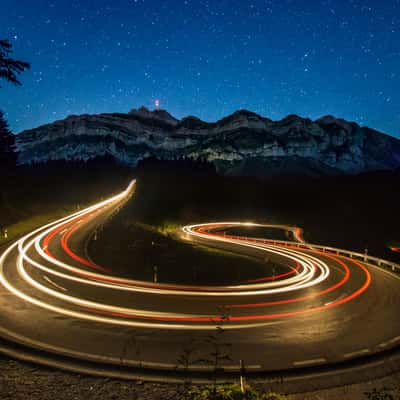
(354, 212)
(360, 213)
(349, 212)
(34, 195)
(21, 381)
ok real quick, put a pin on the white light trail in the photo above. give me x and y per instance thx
(312, 271)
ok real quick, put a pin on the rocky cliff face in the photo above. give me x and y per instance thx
(243, 143)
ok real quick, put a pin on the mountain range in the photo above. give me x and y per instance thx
(243, 143)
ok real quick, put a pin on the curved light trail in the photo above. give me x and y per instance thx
(308, 275)
(71, 303)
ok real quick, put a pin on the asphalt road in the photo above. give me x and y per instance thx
(322, 309)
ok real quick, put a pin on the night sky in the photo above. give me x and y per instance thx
(205, 58)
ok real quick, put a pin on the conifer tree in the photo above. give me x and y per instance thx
(7, 154)
(10, 68)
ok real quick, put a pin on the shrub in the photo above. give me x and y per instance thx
(231, 392)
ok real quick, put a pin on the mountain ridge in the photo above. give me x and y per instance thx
(329, 145)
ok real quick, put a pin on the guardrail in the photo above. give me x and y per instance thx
(378, 262)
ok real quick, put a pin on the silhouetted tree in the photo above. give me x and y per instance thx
(7, 155)
(10, 68)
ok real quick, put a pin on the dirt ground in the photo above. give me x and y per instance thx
(19, 380)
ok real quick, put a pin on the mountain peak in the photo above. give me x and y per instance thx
(340, 122)
(159, 114)
(293, 118)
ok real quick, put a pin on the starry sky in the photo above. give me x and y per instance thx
(205, 58)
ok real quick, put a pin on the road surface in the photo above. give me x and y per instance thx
(321, 309)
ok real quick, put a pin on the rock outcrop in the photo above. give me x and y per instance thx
(243, 143)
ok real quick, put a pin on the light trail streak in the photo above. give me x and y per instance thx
(302, 278)
(311, 271)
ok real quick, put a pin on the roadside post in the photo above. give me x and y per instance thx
(242, 377)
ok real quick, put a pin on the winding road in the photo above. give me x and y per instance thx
(323, 308)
